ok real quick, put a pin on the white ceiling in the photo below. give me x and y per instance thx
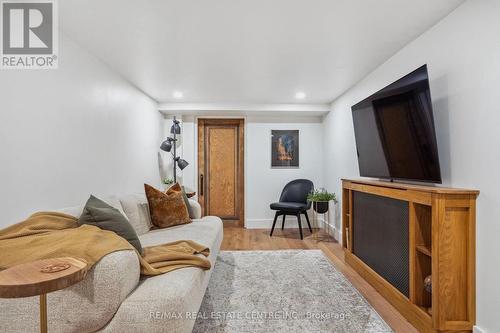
(247, 51)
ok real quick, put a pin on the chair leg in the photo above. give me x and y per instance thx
(308, 223)
(300, 226)
(283, 222)
(274, 223)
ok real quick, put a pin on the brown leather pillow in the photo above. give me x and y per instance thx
(167, 209)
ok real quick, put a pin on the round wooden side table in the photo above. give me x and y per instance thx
(40, 278)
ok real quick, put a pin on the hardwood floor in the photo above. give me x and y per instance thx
(258, 239)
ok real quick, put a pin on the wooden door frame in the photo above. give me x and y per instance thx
(202, 123)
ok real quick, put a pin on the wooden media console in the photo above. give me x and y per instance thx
(397, 235)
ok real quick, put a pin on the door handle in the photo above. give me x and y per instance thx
(202, 184)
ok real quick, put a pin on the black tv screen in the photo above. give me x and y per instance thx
(394, 130)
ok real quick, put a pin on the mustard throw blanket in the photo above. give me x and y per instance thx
(47, 235)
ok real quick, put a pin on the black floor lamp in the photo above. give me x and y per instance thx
(171, 142)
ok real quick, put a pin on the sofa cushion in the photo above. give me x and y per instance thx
(137, 210)
(180, 291)
(76, 211)
(203, 231)
(195, 209)
(98, 213)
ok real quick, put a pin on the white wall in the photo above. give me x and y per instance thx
(263, 185)
(463, 55)
(70, 132)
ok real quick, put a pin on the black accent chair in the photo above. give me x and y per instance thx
(293, 201)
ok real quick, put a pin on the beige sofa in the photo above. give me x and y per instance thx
(113, 297)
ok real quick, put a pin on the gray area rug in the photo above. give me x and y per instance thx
(283, 291)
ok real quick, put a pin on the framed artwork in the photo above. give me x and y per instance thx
(284, 148)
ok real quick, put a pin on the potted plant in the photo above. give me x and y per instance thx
(320, 199)
(168, 181)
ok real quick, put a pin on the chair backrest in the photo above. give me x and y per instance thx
(297, 191)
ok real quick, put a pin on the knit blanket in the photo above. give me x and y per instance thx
(47, 235)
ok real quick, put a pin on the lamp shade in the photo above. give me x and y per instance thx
(166, 145)
(182, 164)
(176, 128)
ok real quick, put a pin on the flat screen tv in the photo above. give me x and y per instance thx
(394, 130)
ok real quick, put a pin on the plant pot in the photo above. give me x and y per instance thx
(321, 207)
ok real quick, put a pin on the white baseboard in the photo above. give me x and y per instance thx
(290, 222)
(268, 223)
(338, 235)
(477, 329)
(332, 230)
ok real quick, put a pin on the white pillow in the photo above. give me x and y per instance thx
(137, 210)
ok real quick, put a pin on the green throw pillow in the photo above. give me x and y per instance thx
(98, 213)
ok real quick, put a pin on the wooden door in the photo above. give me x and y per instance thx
(220, 169)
